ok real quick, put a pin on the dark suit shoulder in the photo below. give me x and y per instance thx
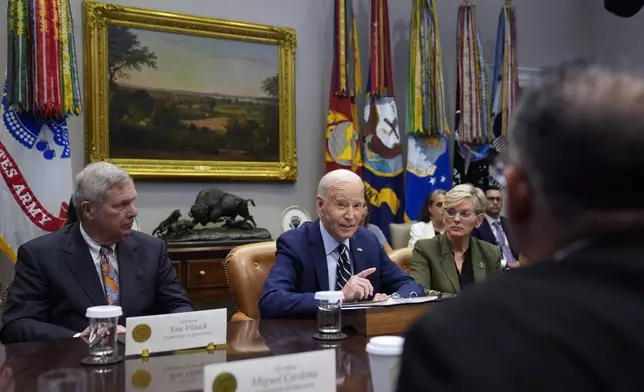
(145, 240)
(48, 240)
(300, 233)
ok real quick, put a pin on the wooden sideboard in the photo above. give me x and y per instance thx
(200, 269)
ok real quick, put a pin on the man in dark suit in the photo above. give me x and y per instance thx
(97, 261)
(572, 320)
(331, 253)
(494, 228)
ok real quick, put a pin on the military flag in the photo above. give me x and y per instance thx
(428, 159)
(383, 167)
(342, 130)
(40, 90)
(472, 123)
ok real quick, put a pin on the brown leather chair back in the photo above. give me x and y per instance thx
(402, 258)
(246, 268)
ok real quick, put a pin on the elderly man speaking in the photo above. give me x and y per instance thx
(331, 253)
(96, 261)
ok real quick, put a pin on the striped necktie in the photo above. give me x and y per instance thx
(110, 277)
(343, 270)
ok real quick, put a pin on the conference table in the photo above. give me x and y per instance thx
(182, 371)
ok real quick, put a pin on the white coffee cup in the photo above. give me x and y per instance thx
(384, 361)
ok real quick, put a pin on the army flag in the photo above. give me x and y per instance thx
(39, 91)
(342, 130)
(472, 121)
(383, 166)
(428, 159)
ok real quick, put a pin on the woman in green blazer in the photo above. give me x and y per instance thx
(453, 260)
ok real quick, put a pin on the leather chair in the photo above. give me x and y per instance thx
(246, 268)
(402, 258)
(399, 234)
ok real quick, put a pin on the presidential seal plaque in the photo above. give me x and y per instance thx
(224, 382)
(141, 333)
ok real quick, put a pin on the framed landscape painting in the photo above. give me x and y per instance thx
(172, 95)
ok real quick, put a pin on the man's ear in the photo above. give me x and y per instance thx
(86, 210)
(319, 202)
(518, 200)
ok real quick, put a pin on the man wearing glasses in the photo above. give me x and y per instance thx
(494, 228)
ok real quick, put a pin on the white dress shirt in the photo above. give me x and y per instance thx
(420, 231)
(333, 255)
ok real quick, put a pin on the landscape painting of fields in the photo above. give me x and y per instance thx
(193, 98)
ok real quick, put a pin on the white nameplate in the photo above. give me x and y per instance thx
(310, 371)
(175, 331)
(179, 373)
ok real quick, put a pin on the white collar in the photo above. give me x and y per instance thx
(93, 245)
(330, 243)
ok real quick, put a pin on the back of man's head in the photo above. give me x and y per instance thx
(580, 132)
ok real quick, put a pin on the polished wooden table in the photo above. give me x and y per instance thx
(25, 362)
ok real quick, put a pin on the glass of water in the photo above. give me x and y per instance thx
(103, 323)
(329, 305)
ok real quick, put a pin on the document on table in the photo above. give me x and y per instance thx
(388, 302)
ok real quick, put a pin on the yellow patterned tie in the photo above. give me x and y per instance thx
(110, 277)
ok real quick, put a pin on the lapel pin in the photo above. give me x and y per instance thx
(359, 249)
(481, 265)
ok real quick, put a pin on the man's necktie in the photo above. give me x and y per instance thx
(110, 277)
(343, 270)
(501, 239)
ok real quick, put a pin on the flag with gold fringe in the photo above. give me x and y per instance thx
(40, 90)
(472, 123)
(342, 130)
(383, 166)
(428, 159)
(505, 79)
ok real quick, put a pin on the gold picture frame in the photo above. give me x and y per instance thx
(100, 68)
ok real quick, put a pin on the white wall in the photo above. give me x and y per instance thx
(549, 31)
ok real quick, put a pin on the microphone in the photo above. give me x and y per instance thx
(623, 8)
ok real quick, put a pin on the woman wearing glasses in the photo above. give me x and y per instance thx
(453, 260)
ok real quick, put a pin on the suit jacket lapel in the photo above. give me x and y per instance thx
(359, 263)
(447, 262)
(81, 265)
(486, 232)
(318, 255)
(128, 261)
(476, 258)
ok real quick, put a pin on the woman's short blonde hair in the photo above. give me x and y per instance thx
(463, 192)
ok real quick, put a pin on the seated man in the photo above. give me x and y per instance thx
(96, 261)
(331, 253)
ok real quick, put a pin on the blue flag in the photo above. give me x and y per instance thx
(428, 169)
(383, 165)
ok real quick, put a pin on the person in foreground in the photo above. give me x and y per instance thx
(454, 260)
(572, 320)
(331, 253)
(96, 261)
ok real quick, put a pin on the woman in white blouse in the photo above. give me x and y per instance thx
(430, 223)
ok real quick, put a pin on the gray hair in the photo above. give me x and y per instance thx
(579, 132)
(463, 192)
(94, 181)
(333, 177)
